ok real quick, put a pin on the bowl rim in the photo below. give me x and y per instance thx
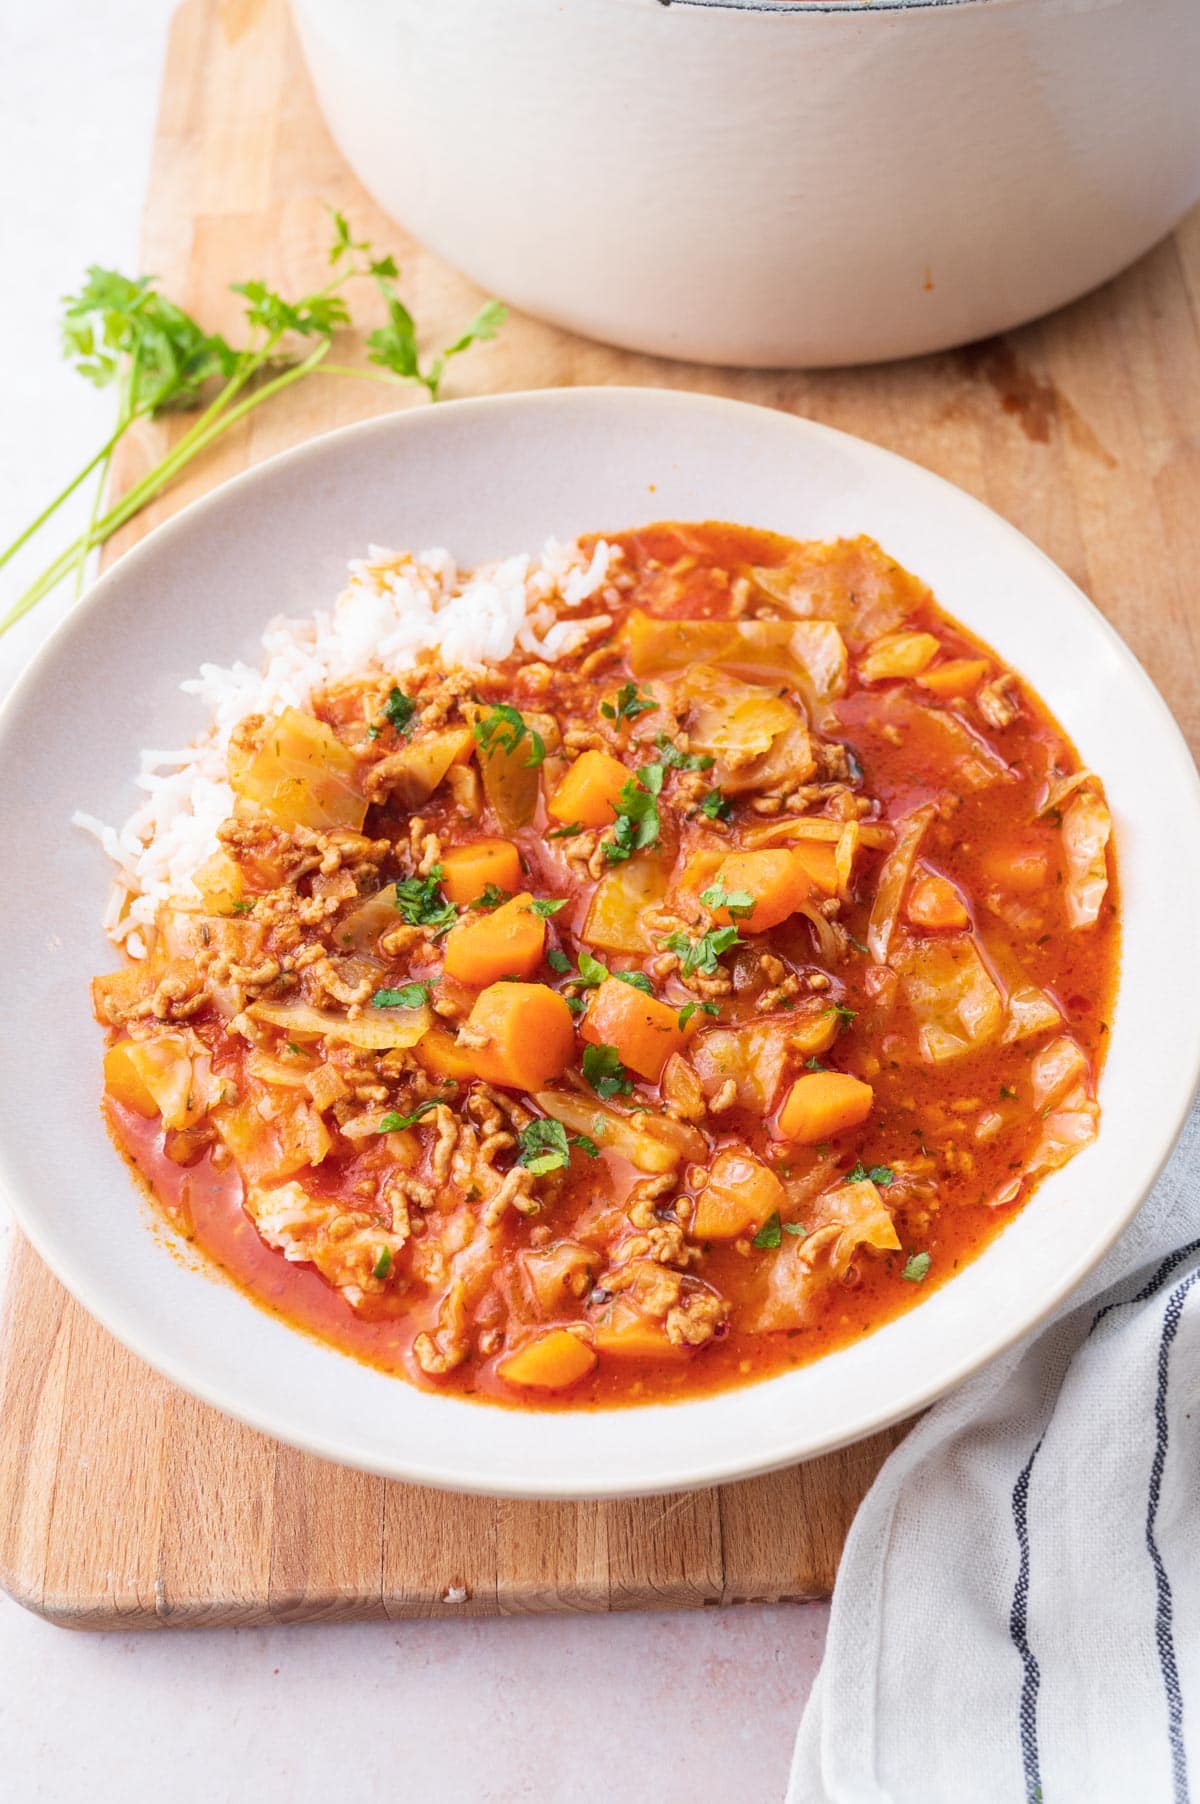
(707, 1470)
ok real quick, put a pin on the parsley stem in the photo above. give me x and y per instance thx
(220, 419)
(106, 450)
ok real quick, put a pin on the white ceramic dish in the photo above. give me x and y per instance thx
(485, 477)
(774, 182)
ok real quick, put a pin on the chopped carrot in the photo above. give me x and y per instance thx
(958, 676)
(817, 858)
(814, 1027)
(1016, 867)
(467, 870)
(824, 1103)
(740, 1195)
(775, 879)
(898, 655)
(934, 903)
(698, 872)
(442, 1056)
(527, 1032)
(510, 941)
(590, 790)
(124, 1081)
(644, 1031)
(550, 1363)
(623, 1332)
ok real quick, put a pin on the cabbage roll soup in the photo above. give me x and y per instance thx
(613, 976)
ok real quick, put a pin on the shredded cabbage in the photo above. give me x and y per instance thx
(956, 1005)
(893, 881)
(1086, 827)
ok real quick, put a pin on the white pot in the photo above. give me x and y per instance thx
(774, 182)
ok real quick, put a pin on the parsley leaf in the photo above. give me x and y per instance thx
(845, 1015)
(715, 806)
(739, 902)
(702, 954)
(604, 1071)
(567, 832)
(636, 980)
(770, 1234)
(392, 1123)
(638, 823)
(883, 1175)
(796, 1228)
(546, 906)
(814, 1064)
(399, 710)
(491, 896)
(689, 1009)
(383, 1264)
(545, 1146)
(422, 904)
(671, 758)
(504, 728)
(412, 995)
(591, 971)
(629, 704)
(557, 961)
(917, 1267)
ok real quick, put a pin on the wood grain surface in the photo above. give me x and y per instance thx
(126, 1503)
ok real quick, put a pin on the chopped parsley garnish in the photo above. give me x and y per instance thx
(243, 907)
(796, 1228)
(814, 1064)
(845, 1015)
(398, 710)
(567, 832)
(422, 904)
(548, 905)
(637, 980)
(916, 1267)
(604, 1071)
(557, 961)
(672, 758)
(715, 806)
(491, 896)
(591, 971)
(629, 704)
(576, 1004)
(702, 954)
(739, 902)
(545, 1146)
(392, 1123)
(770, 1234)
(383, 1264)
(504, 728)
(689, 1009)
(883, 1175)
(638, 824)
(411, 995)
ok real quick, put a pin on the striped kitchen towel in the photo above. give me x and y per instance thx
(1017, 1614)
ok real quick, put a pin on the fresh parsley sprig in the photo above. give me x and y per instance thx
(124, 333)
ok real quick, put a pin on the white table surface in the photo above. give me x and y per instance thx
(688, 1708)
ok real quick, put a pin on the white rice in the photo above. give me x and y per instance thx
(394, 607)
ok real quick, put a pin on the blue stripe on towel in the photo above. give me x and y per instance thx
(1164, 1634)
(1018, 1618)
(1018, 1629)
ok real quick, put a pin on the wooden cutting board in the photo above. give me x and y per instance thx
(124, 1502)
